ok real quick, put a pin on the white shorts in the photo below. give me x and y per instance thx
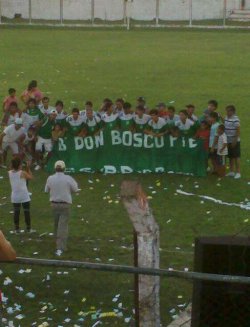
(12, 145)
(47, 143)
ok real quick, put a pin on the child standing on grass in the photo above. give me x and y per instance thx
(9, 99)
(213, 139)
(222, 151)
(232, 130)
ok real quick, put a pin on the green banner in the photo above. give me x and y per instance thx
(114, 151)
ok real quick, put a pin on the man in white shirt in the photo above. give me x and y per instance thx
(12, 137)
(140, 119)
(45, 107)
(60, 187)
(184, 123)
(156, 126)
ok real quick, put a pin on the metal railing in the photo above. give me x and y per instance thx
(128, 19)
(169, 273)
(133, 270)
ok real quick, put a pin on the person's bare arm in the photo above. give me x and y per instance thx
(7, 253)
(214, 143)
(28, 173)
(1, 140)
(149, 132)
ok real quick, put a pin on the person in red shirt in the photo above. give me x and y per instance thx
(9, 99)
(162, 110)
(32, 92)
(203, 133)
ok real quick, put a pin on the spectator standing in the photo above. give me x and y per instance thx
(232, 130)
(60, 187)
(19, 192)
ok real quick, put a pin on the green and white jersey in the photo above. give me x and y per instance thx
(61, 118)
(44, 110)
(157, 127)
(110, 121)
(171, 121)
(141, 122)
(74, 126)
(184, 126)
(126, 122)
(31, 116)
(93, 125)
(45, 131)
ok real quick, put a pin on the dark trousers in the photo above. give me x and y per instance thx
(26, 210)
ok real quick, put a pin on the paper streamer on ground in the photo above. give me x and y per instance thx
(210, 198)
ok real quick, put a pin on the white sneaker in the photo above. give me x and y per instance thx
(31, 231)
(59, 253)
(37, 167)
(3, 166)
(231, 174)
(237, 176)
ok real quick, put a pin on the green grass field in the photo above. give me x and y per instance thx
(78, 65)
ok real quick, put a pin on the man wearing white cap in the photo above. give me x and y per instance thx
(60, 187)
(12, 137)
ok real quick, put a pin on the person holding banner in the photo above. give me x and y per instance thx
(156, 126)
(92, 122)
(75, 124)
(109, 118)
(126, 118)
(140, 119)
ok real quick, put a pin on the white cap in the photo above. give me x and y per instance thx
(18, 121)
(60, 164)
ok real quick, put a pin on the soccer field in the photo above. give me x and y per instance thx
(184, 66)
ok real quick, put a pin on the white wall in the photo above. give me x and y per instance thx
(114, 9)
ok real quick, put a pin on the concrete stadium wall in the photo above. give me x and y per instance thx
(114, 9)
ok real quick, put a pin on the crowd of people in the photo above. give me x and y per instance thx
(31, 132)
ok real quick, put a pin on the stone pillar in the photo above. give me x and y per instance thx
(147, 231)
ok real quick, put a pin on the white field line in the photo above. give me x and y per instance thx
(210, 198)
